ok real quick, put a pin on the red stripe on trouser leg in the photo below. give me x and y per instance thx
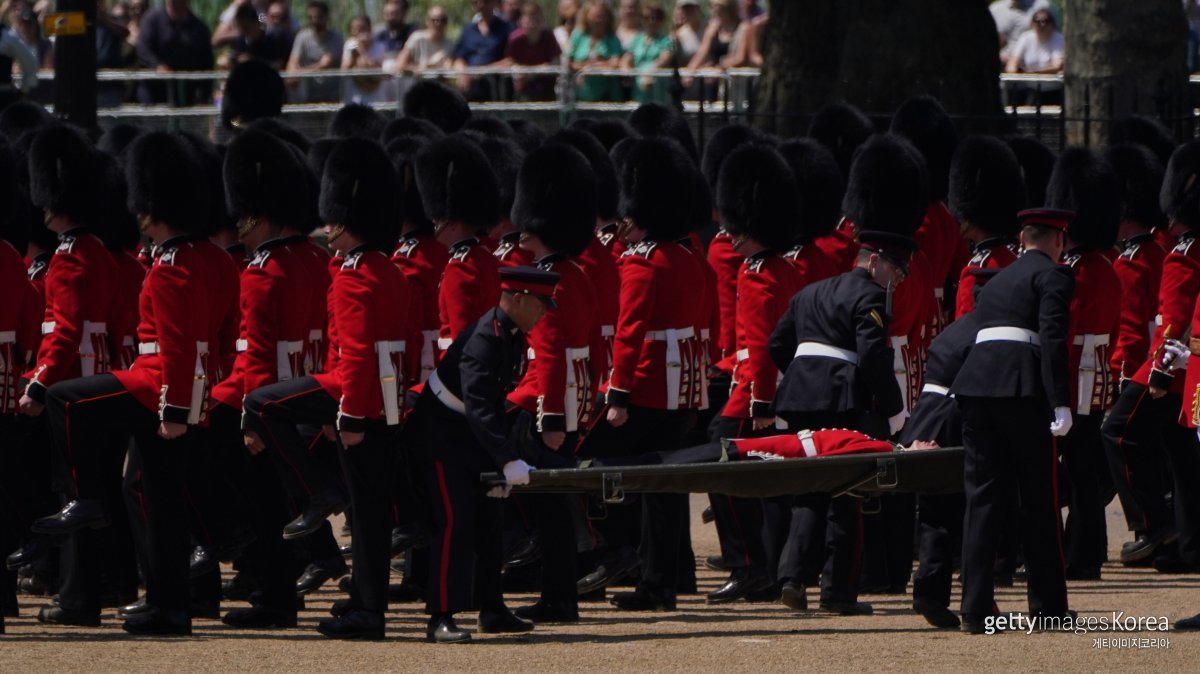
(67, 424)
(444, 566)
(1125, 459)
(263, 415)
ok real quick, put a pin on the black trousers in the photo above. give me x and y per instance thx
(368, 467)
(276, 413)
(1009, 449)
(84, 415)
(939, 540)
(1085, 535)
(739, 521)
(1144, 443)
(664, 516)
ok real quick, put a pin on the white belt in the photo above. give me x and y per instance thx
(607, 331)
(287, 363)
(705, 333)
(1089, 369)
(939, 293)
(807, 442)
(825, 351)
(151, 348)
(199, 384)
(901, 368)
(1008, 334)
(742, 355)
(127, 341)
(581, 353)
(444, 395)
(672, 337)
(241, 346)
(390, 373)
(938, 390)
(444, 343)
(8, 337)
(529, 354)
(48, 327)
(1157, 320)
(427, 360)
(315, 335)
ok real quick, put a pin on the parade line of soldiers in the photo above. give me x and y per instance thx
(188, 378)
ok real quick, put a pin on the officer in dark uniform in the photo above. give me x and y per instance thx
(459, 431)
(1014, 395)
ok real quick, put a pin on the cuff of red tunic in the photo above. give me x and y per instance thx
(174, 414)
(351, 424)
(551, 423)
(1160, 379)
(761, 409)
(36, 391)
(617, 397)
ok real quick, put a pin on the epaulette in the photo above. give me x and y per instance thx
(1072, 260)
(607, 233)
(504, 249)
(166, 255)
(407, 246)
(794, 252)
(65, 245)
(755, 265)
(643, 249)
(351, 261)
(36, 268)
(460, 253)
(260, 258)
(1184, 245)
(979, 257)
(1130, 251)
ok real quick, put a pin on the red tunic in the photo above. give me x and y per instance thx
(840, 246)
(122, 325)
(1176, 302)
(1165, 239)
(369, 320)
(557, 385)
(1095, 313)
(601, 270)
(1139, 270)
(224, 312)
(913, 315)
(940, 238)
(317, 265)
(21, 313)
(470, 287)
(710, 316)
(766, 285)
(807, 444)
(607, 235)
(270, 346)
(655, 348)
(422, 258)
(812, 262)
(726, 263)
(80, 285)
(994, 253)
(509, 253)
(170, 375)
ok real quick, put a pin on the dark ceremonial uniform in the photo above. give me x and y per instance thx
(994, 253)
(1012, 379)
(422, 258)
(469, 287)
(509, 252)
(1139, 269)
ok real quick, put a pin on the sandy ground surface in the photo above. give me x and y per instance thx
(740, 637)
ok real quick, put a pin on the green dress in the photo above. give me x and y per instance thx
(582, 48)
(646, 51)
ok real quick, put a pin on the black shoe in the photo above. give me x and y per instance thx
(347, 551)
(33, 550)
(259, 618)
(502, 622)
(708, 516)
(346, 584)
(606, 574)
(405, 593)
(340, 608)
(136, 608)
(1079, 573)
(203, 562)
(239, 588)
(408, 537)
(315, 575)
(209, 610)
(84, 513)
(527, 552)
(794, 597)
(442, 630)
(157, 623)
(973, 624)
(643, 600)
(57, 615)
(715, 563)
(769, 594)
(1188, 624)
(357, 624)
(847, 607)
(320, 507)
(737, 587)
(548, 612)
(1145, 544)
(35, 585)
(595, 595)
(935, 614)
(1172, 564)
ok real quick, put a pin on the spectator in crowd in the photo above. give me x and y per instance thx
(110, 54)
(717, 43)
(629, 21)
(481, 43)
(227, 29)
(363, 50)
(23, 58)
(595, 45)
(749, 10)
(511, 10)
(172, 39)
(395, 31)
(1012, 18)
(280, 22)
(651, 49)
(252, 41)
(428, 48)
(1192, 9)
(747, 43)
(532, 45)
(316, 48)
(567, 11)
(689, 27)
(29, 31)
(135, 11)
(1039, 50)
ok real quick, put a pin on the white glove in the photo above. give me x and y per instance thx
(499, 491)
(1062, 422)
(517, 472)
(896, 422)
(1174, 355)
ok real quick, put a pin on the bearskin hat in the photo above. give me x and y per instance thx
(121, 229)
(403, 152)
(602, 165)
(818, 184)
(611, 131)
(1085, 183)
(318, 154)
(63, 174)
(211, 159)
(656, 183)
(22, 117)
(556, 198)
(117, 138)
(887, 189)
(283, 131)
(1036, 161)
(166, 181)
(841, 128)
(355, 120)
(1141, 176)
(652, 119)
(528, 135)
(264, 179)
(457, 183)
(253, 90)
(505, 157)
(1145, 131)
(358, 192)
(312, 191)
(987, 188)
(490, 126)
(723, 142)
(14, 217)
(438, 103)
(701, 213)
(1180, 194)
(756, 196)
(409, 126)
(923, 122)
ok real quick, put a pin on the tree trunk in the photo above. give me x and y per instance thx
(1124, 57)
(875, 54)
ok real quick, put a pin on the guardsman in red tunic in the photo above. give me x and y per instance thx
(459, 193)
(756, 199)
(157, 400)
(986, 191)
(652, 393)
(122, 239)
(820, 186)
(556, 213)
(841, 128)
(362, 394)
(1141, 435)
(505, 158)
(1140, 260)
(1085, 183)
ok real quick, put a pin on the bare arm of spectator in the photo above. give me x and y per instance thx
(738, 55)
(11, 47)
(700, 59)
(1014, 63)
(626, 62)
(404, 60)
